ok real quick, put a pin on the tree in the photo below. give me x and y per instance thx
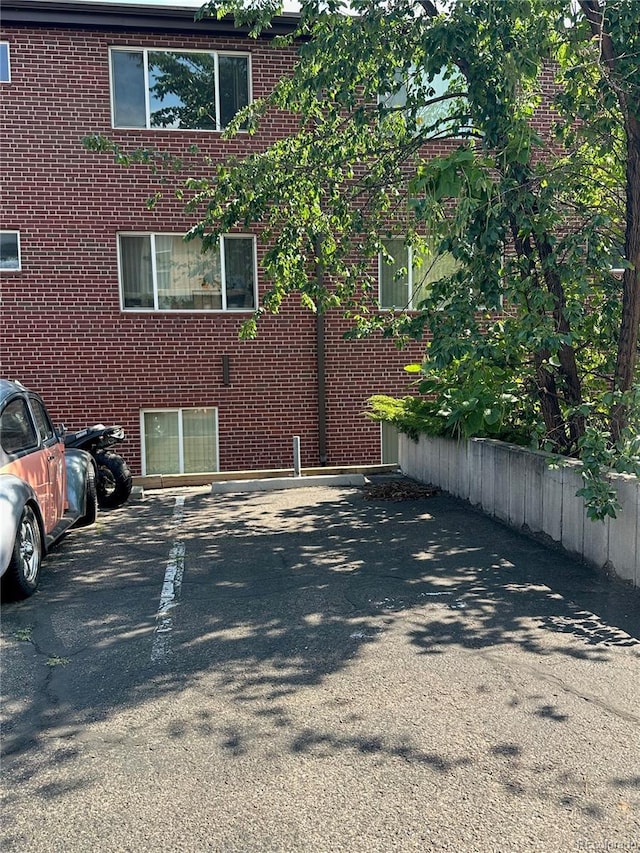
(616, 33)
(528, 333)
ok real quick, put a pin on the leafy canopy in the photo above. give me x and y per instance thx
(502, 135)
(535, 194)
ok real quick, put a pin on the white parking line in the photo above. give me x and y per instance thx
(170, 594)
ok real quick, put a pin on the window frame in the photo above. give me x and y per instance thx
(408, 306)
(155, 309)
(7, 45)
(17, 268)
(145, 52)
(179, 410)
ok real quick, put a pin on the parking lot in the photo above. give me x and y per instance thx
(318, 670)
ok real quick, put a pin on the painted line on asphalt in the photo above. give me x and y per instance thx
(171, 588)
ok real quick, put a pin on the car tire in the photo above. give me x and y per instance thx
(23, 574)
(114, 480)
(90, 500)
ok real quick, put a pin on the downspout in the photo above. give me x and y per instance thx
(322, 387)
(321, 357)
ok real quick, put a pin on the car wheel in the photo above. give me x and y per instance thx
(23, 574)
(90, 500)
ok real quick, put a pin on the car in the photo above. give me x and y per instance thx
(45, 488)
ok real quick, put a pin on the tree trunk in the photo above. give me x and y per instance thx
(628, 339)
(572, 387)
(627, 354)
(546, 387)
(554, 423)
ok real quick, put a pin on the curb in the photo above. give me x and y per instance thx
(275, 483)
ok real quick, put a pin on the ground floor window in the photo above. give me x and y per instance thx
(179, 441)
(406, 275)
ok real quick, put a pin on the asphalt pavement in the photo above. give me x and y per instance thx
(318, 669)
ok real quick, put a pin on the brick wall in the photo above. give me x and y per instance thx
(64, 334)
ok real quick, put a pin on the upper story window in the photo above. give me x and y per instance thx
(162, 272)
(5, 68)
(178, 90)
(406, 275)
(430, 104)
(10, 250)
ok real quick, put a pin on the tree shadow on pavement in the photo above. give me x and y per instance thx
(281, 594)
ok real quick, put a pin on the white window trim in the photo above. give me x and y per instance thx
(216, 65)
(145, 51)
(8, 46)
(19, 267)
(179, 410)
(156, 309)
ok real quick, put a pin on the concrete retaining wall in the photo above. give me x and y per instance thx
(518, 487)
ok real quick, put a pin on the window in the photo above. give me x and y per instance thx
(179, 441)
(405, 275)
(43, 422)
(433, 102)
(5, 68)
(178, 90)
(163, 272)
(617, 261)
(10, 250)
(17, 432)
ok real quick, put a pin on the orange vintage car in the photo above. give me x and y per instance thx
(44, 488)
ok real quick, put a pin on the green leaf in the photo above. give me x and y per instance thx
(492, 416)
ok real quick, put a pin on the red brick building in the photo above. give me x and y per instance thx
(105, 311)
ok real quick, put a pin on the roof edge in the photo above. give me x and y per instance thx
(126, 16)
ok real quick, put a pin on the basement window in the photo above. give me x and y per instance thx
(179, 441)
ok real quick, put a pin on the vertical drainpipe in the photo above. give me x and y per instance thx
(322, 388)
(321, 360)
